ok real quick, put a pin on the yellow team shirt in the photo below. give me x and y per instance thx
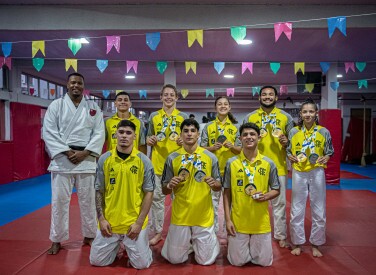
(322, 146)
(248, 215)
(192, 204)
(124, 183)
(269, 145)
(111, 127)
(210, 135)
(163, 148)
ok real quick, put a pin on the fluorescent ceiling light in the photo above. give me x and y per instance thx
(228, 76)
(245, 42)
(130, 77)
(339, 75)
(84, 41)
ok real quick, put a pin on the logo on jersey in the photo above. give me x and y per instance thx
(134, 169)
(112, 181)
(230, 131)
(115, 126)
(159, 124)
(262, 171)
(298, 144)
(239, 183)
(240, 170)
(213, 132)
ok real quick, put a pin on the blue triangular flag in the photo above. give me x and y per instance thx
(7, 48)
(153, 39)
(143, 93)
(219, 66)
(324, 67)
(337, 22)
(209, 92)
(102, 65)
(106, 93)
(334, 85)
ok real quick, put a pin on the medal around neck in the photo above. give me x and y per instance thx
(263, 132)
(301, 157)
(221, 139)
(200, 176)
(313, 158)
(276, 132)
(250, 189)
(183, 173)
(173, 136)
(161, 136)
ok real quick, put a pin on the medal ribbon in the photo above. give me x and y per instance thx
(166, 122)
(268, 119)
(194, 158)
(221, 132)
(250, 175)
(309, 141)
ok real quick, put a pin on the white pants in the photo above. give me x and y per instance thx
(157, 207)
(256, 248)
(178, 245)
(310, 183)
(216, 198)
(62, 185)
(104, 249)
(279, 211)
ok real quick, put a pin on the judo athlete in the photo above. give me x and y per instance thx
(124, 193)
(191, 173)
(73, 131)
(250, 181)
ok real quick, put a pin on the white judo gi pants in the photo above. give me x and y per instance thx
(256, 248)
(62, 185)
(157, 207)
(104, 249)
(310, 183)
(178, 244)
(216, 198)
(279, 211)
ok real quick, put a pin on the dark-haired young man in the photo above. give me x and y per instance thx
(191, 173)
(124, 192)
(275, 125)
(250, 180)
(73, 131)
(122, 104)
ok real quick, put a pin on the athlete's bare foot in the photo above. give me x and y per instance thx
(296, 250)
(88, 241)
(156, 239)
(316, 252)
(283, 243)
(54, 249)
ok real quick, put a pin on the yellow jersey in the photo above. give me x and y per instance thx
(269, 145)
(192, 204)
(124, 183)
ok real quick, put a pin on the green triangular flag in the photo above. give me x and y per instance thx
(161, 66)
(238, 33)
(74, 45)
(38, 63)
(275, 66)
(360, 66)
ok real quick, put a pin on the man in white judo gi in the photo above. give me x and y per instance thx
(73, 131)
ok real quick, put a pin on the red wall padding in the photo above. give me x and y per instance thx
(374, 136)
(6, 162)
(27, 143)
(331, 119)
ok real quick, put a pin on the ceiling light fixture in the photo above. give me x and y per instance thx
(339, 75)
(245, 42)
(228, 76)
(130, 77)
(84, 41)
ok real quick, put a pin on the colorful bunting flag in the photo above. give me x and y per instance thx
(143, 93)
(238, 33)
(161, 66)
(7, 48)
(70, 63)
(194, 35)
(230, 92)
(113, 41)
(37, 46)
(334, 85)
(337, 22)
(132, 64)
(283, 90)
(284, 27)
(38, 63)
(349, 65)
(7, 61)
(190, 65)
(118, 91)
(184, 92)
(153, 39)
(299, 66)
(74, 45)
(324, 67)
(360, 66)
(219, 66)
(102, 65)
(209, 92)
(256, 90)
(247, 66)
(362, 83)
(106, 93)
(309, 87)
(275, 66)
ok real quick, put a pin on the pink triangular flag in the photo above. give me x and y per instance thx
(247, 65)
(283, 90)
(230, 92)
(113, 41)
(284, 27)
(7, 61)
(132, 64)
(349, 65)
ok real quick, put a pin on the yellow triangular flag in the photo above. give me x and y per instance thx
(309, 87)
(299, 65)
(36, 46)
(190, 65)
(184, 92)
(194, 35)
(118, 91)
(69, 63)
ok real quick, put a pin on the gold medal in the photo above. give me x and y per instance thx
(161, 136)
(263, 132)
(276, 132)
(173, 136)
(183, 174)
(301, 157)
(250, 189)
